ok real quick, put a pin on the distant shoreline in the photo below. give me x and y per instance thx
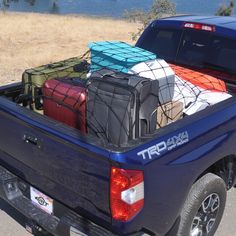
(33, 39)
(108, 8)
(65, 15)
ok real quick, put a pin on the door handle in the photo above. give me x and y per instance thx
(31, 139)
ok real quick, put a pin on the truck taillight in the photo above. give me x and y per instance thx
(126, 193)
(198, 26)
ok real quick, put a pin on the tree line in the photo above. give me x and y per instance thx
(162, 8)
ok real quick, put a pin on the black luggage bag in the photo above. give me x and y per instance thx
(121, 107)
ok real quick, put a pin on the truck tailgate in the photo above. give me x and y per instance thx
(56, 160)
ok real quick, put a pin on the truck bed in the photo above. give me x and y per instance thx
(74, 169)
(54, 158)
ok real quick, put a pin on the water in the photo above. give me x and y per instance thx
(111, 8)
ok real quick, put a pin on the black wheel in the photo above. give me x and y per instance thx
(204, 207)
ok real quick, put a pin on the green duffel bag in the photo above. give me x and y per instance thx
(33, 79)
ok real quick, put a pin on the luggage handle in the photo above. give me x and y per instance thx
(108, 75)
(116, 78)
(82, 66)
(56, 65)
(111, 75)
(124, 78)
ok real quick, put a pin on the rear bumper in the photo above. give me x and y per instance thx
(68, 224)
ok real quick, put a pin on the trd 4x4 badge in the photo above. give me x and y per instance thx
(164, 146)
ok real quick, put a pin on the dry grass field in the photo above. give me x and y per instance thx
(29, 39)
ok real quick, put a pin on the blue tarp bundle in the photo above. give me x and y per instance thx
(117, 55)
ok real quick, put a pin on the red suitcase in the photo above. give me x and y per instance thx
(65, 100)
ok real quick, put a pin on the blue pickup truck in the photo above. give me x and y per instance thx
(172, 182)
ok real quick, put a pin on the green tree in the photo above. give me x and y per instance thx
(159, 9)
(226, 10)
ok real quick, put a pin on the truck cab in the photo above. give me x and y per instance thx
(203, 44)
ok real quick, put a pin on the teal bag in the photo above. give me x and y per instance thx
(116, 55)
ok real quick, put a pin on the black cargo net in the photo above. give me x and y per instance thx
(119, 93)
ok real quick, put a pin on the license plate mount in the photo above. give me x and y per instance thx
(41, 200)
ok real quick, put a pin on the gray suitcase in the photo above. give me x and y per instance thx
(121, 107)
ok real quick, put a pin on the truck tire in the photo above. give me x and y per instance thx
(204, 207)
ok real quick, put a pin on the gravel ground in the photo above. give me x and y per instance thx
(12, 223)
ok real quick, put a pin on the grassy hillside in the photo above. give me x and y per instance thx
(28, 40)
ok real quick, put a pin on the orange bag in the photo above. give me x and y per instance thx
(200, 79)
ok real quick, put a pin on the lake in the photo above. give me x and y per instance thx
(110, 8)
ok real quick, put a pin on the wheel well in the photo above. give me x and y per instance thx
(224, 168)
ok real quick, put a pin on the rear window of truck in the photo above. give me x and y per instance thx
(192, 47)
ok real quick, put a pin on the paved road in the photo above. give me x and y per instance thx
(10, 226)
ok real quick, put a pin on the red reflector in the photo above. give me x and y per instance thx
(198, 26)
(126, 193)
